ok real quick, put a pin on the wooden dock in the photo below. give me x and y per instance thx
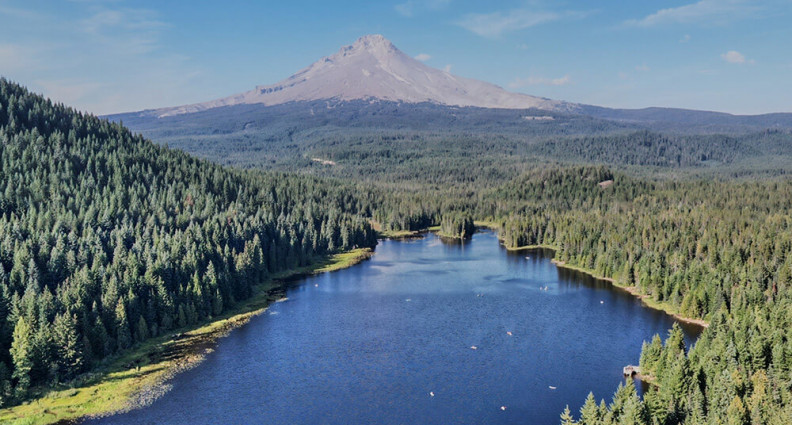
(631, 370)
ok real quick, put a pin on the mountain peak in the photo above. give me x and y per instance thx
(374, 44)
(373, 68)
(372, 40)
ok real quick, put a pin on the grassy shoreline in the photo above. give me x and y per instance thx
(139, 376)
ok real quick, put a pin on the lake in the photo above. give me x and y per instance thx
(371, 343)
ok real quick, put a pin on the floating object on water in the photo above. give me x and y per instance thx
(503, 407)
(272, 313)
(552, 387)
(473, 347)
(431, 393)
(527, 258)
(316, 285)
(508, 333)
(408, 300)
(602, 302)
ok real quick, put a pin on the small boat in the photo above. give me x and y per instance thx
(431, 393)
(316, 285)
(508, 333)
(503, 407)
(552, 387)
(602, 302)
(473, 347)
(408, 300)
(527, 258)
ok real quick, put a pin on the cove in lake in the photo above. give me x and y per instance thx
(368, 344)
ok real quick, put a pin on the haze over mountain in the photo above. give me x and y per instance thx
(373, 68)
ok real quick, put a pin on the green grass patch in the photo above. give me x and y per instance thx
(485, 223)
(399, 234)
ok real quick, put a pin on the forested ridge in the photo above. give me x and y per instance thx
(107, 239)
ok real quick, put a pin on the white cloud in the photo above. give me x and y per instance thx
(496, 23)
(423, 57)
(409, 7)
(540, 81)
(99, 57)
(704, 11)
(447, 68)
(733, 56)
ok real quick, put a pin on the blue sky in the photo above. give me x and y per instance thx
(108, 56)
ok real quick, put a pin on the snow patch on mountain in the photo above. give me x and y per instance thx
(387, 74)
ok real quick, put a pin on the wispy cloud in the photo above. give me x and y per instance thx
(733, 56)
(409, 7)
(703, 11)
(423, 57)
(69, 90)
(540, 81)
(496, 23)
(100, 56)
(16, 58)
(135, 30)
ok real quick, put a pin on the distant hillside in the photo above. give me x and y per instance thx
(686, 119)
(362, 137)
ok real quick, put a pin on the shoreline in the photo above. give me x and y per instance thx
(138, 377)
(646, 300)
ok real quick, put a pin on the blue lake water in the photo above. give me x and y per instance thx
(370, 343)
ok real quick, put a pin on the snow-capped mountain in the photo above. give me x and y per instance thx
(373, 68)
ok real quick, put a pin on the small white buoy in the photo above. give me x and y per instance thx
(473, 347)
(508, 333)
(552, 387)
(431, 393)
(503, 407)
